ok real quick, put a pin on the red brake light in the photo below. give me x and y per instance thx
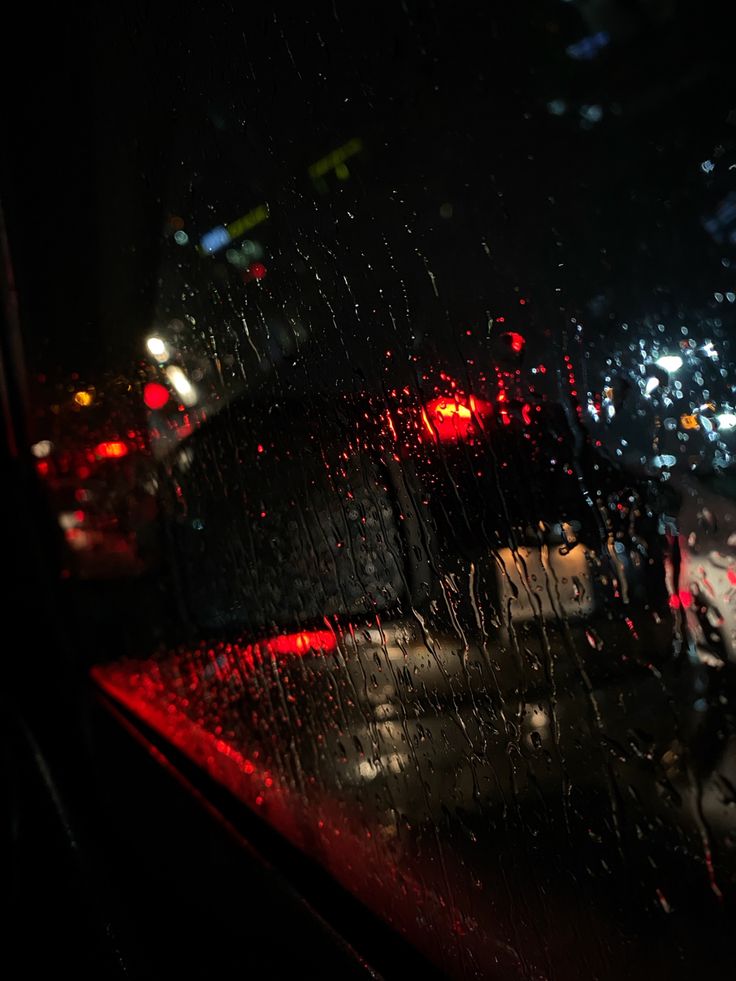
(454, 418)
(302, 643)
(111, 450)
(155, 395)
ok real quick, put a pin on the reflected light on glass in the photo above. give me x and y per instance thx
(515, 341)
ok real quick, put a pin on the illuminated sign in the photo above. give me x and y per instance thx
(220, 236)
(336, 160)
(588, 47)
(244, 224)
(217, 238)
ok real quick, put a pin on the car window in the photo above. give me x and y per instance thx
(393, 455)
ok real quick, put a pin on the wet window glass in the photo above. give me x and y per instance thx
(390, 446)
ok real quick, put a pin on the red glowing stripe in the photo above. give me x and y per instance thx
(165, 702)
(220, 759)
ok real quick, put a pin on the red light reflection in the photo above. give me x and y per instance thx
(516, 341)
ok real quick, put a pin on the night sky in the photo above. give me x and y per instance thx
(123, 117)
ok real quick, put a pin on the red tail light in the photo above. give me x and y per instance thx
(305, 642)
(454, 418)
(110, 451)
(155, 395)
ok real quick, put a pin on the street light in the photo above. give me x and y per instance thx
(182, 385)
(157, 347)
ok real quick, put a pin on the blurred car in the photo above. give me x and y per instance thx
(371, 516)
(707, 567)
(105, 504)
